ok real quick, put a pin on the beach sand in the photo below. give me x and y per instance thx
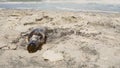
(84, 39)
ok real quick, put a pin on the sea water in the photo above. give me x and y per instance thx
(61, 6)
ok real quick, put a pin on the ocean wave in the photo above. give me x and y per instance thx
(63, 1)
(61, 6)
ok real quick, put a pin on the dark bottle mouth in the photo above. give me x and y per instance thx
(32, 48)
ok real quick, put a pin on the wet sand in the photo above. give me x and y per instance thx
(84, 39)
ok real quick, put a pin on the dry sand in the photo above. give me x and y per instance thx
(85, 39)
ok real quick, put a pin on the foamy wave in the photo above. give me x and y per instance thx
(70, 9)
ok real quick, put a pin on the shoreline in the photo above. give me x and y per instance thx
(84, 11)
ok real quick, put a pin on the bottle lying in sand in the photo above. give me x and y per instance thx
(36, 39)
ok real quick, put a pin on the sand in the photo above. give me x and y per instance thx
(84, 39)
